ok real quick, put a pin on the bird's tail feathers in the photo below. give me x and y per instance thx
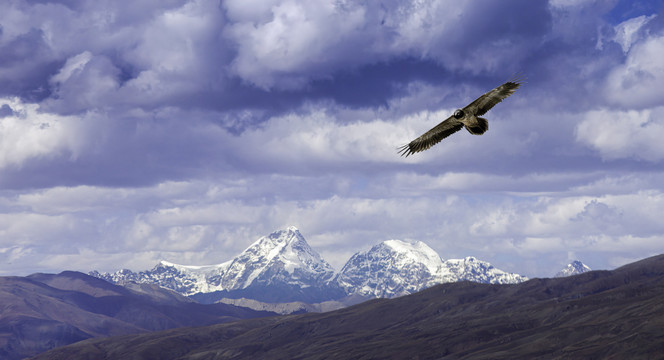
(481, 128)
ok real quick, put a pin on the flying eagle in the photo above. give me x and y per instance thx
(468, 117)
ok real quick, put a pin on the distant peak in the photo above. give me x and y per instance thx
(292, 229)
(578, 264)
(573, 268)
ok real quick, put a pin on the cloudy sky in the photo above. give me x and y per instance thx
(184, 130)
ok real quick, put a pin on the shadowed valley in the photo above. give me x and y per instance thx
(43, 311)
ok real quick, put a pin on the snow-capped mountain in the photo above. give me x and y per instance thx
(391, 268)
(277, 267)
(186, 280)
(283, 257)
(475, 270)
(395, 268)
(282, 267)
(574, 268)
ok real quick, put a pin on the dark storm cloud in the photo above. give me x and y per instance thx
(365, 46)
(177, 53)
(26, 62)
(275, 56)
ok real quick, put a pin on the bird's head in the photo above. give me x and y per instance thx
(458, 114)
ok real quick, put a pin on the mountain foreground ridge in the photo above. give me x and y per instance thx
(598, 314)
(42, 311)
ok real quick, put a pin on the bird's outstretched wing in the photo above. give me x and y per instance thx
(485, 102)
(430, 138)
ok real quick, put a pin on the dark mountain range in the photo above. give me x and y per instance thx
(43, 311)
(615, 314)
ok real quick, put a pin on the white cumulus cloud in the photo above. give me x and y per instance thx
(638, 82)
(617, 134)
(28, 133)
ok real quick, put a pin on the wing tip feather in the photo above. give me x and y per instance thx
(405, 150)
(518, 79)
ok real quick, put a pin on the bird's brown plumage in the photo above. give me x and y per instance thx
(470, 119)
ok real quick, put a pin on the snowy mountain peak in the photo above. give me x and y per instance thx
(282, 257)
(416, 252)
(394, 268)
(573, 268)
(409, 247)
(391, 268)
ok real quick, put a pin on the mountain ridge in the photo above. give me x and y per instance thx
(282, 267)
